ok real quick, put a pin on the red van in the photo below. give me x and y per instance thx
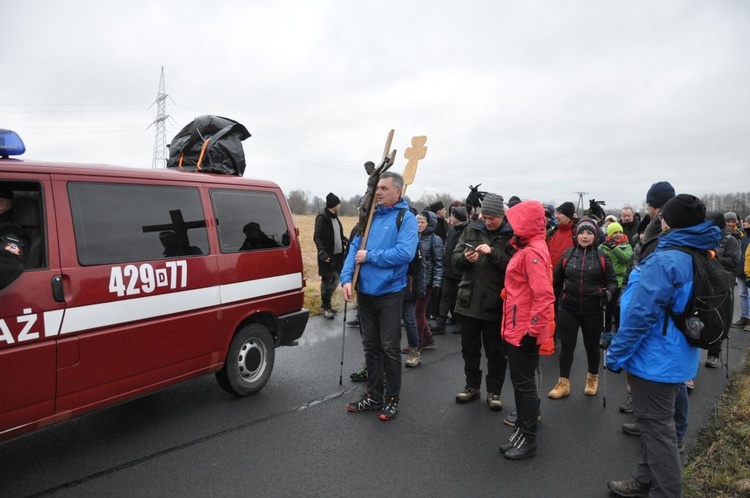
(136, 279)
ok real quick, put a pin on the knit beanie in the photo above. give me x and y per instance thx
(613, 227)
(513, 201)
(586, 224)
(659, 194)
(332, 201)
(567, 208)
(492, 204)
(730, 216)
(682, 211)
(459, 212)
(718, 220)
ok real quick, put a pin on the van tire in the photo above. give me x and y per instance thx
(249, 361)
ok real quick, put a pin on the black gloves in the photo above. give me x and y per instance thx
(528, 343)
(605, 297)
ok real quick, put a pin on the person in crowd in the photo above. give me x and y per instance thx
(744, 320)
(451, 275)
(13, 241)
(514, 199)
(729, 255)
(660, 359)
(416, 288)
(442, 225)
(330, 242)
(255, 238)
(527, 313)
(617, 247)
(560, 237)
(482, 254)
(432, 253)
(629, 224)
(382, 277)
(585, 281)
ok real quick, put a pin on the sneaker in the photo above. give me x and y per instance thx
(389, 410)
(468, 394)
(406, 349)
(364, 404)
(494, 402)
(510, 419)
(415, 358)
(605, 338)
(360, 376)
(741, 322)
(427, 342)
(629, 488)
(712, 362)
(631, 429)
(627, 405)
(328, 314)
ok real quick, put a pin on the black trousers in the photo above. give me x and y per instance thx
(523, 367)
(474, 334)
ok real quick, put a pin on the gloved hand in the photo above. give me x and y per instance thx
(323, 256)
(605, 297)
(608, 367)
(528, 343)
(610, 243)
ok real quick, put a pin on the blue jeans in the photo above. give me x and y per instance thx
(410, 322)
(681, 413)
(380, 322)
(744, 297)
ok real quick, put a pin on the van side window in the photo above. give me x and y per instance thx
(248, 221)
(26, 213)
(117, 223)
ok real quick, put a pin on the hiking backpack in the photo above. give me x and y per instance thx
(708, 311)
(415, 265)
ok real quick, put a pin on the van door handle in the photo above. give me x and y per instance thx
(57, 289)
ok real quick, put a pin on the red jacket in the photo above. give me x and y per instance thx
(561, 240)
(529, 297)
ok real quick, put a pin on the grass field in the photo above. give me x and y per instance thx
(306, 225)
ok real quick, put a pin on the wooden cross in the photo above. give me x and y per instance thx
(413, 154)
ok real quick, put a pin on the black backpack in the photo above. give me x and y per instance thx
(708, 311)
(211, 144)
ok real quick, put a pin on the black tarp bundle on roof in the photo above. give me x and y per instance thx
(218, 139)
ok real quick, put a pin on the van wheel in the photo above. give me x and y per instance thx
(249, 361)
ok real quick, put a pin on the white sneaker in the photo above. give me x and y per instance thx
(415, 358)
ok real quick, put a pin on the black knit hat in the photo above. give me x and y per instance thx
(566, 208)
(513, 201)
(459, 212)
(332, 200)
(587, 224)
(682, 211)
(436, 206)
(659, 194)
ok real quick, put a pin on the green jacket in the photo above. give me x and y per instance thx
(620, 257)
(481, 282)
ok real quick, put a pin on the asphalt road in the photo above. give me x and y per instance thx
(295, 438)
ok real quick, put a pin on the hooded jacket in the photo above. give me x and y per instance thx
(664, 279)
(528, 290)
(478, 294)
(432, 252)
(559, 240)
(579, 279)
(389, 251)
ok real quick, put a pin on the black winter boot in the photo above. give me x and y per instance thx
(523, 448)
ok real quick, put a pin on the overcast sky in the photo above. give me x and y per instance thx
(539, 99)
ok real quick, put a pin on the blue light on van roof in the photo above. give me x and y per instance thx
(10, 144)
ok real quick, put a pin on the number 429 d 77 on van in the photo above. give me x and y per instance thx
(137, 279)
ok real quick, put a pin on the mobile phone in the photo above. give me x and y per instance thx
(471, 247)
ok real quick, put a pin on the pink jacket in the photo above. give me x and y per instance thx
(529, 297)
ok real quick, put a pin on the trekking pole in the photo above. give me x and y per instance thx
(343, 342)
(604, 360)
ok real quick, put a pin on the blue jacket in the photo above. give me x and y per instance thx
(664, 278)
(389, 251)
